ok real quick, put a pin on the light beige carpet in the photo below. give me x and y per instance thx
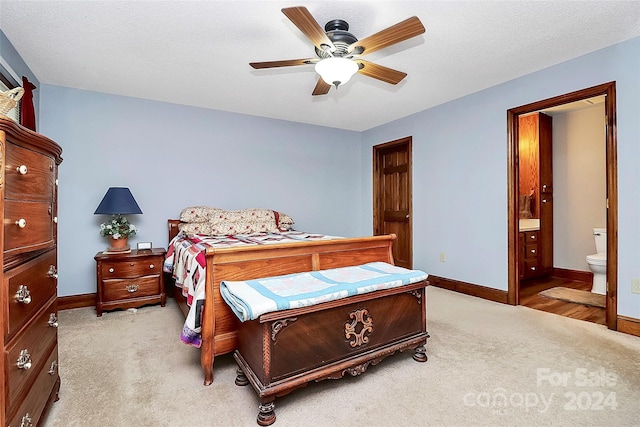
(576, 296)
(489, 365)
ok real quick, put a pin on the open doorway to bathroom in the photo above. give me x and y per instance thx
(540, 202)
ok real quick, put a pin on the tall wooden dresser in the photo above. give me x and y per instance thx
(28, 197)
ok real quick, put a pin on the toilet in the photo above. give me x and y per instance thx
(598, 262)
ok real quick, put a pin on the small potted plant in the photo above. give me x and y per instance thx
(119, 229)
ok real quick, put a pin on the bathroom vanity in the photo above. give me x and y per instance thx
(529, 248)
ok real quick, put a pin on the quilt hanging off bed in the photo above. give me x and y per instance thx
(186, 262)
(252, 298)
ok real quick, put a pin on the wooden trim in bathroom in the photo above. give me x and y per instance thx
(629, 325)
(469, 289)
(575, 275)
(77, 301)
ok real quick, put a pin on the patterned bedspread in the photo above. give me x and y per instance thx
(252, 298)
(186, 262)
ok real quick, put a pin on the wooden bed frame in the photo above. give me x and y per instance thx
(220, 325)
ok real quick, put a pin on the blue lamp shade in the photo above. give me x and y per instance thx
(118, 201)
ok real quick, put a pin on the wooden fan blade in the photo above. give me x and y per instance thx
(388, 75)
(285, 63)
(322, 87)
(395, 34)
(302, 19)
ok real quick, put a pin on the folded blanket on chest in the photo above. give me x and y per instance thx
(252, 298)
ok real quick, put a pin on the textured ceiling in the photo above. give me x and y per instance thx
(197, 52)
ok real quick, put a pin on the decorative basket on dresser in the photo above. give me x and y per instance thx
(28, 197)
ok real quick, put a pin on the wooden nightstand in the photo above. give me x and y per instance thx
(130, 280)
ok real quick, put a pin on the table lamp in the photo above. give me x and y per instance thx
(118, 201)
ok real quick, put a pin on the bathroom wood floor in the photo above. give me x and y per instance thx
(529, 297)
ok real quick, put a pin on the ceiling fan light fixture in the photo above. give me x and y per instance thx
(336, 70)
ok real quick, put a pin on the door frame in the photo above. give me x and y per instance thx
(609, 90)
(378, 209)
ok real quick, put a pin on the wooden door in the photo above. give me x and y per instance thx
(392, 197)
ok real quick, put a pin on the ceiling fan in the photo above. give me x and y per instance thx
(339, 52)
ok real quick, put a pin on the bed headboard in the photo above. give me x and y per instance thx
(173, 228)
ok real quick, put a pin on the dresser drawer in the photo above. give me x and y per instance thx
(531, 251)
(29, 175)
(530, 236)
(120, 289)
(531, 267)
(26, 355)
(131, 269)
(33, 405)
(28, 226)
(32, 278)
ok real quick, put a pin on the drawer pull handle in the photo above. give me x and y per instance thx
(52, 369)
(24, 360)
(55, 219)
(132, 288)
(22, 169)
(533, 269)
(151, 266)
(53, 272)
(53, 320)
(533, 251)
(22, 223)
(26, 421)
(23, 295)
(111, 270)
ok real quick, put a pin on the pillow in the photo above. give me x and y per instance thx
(199, 213)
(214, 228)
(195, 228)
(247, 221)
(285, 222)
(214, 221)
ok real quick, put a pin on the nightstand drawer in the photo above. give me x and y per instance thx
(130, 269)
(120, 289)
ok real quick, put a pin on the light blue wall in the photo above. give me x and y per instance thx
(460, 170)
(173, 156)
(322, 176)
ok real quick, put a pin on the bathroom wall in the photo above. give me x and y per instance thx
(579, 181)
